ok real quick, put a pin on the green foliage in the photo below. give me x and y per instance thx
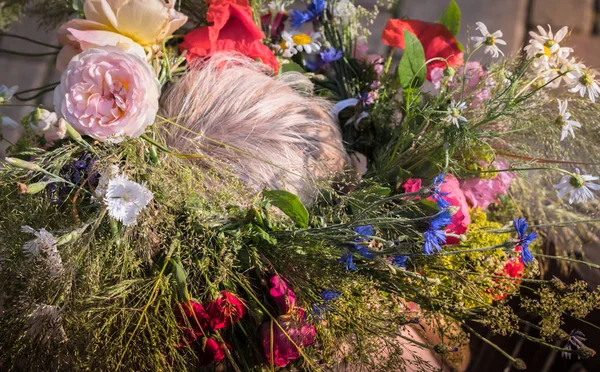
(451, 18)
(289, 204)
(412, 68)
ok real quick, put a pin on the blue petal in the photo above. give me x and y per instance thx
(298, 17)
(329, 295)
(367, 230)
(440, 221)
(521, 227)
(364, 251)
(317, 7)
(400, 261)
(347, 262)
(526, 255)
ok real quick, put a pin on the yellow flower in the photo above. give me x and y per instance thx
(138, 26)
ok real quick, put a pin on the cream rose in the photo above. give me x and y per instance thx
(134, 25)
(107, 93)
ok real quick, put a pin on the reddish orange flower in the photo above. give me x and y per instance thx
(436, 39)
(233, 29)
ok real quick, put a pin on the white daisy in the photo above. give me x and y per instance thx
(490, 40)
(43, 246)
(563, 120)
(299, 41)
(126, 199)
(565, 71)
(6, 93)
(578, 186)
(547, 44)
(584, 82)
(455, 113)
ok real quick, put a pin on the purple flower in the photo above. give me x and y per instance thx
(347, 262)
(435, 235)
(365, 231)
(77, 172)
(400, 261)
(331, 55)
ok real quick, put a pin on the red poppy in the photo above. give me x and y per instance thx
(233, 29)
(436, 39)
(225, 311)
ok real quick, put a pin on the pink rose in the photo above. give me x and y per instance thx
(107, 94)
(284, 351)
(480, 193)
(283, 296)
(453, 195)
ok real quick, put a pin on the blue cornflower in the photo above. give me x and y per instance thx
(314, 65)
(320, 309)
(521, 227)
(437, 193)
(435, 235)
(331, 55)
(361, 249)
(313, 11)
(400, 261)
(329, 295)
(347, 262)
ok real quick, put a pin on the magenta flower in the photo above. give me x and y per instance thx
(482, 192)
(283, 296)
(293, 328)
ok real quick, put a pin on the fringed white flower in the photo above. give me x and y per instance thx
(578, 186)
(44, 247)
(563, 120)
(455, 113)
(126, 199)
(489, 40)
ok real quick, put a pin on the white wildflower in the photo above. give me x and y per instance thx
(546, 44)
(44, 324)
(126, 199)
(563, 120)
(489, 40)
(344, 10)
(105, 177)
(455, 113)
(296, 41)
(43, 247)
(578, 186)
(6, 93)
(584, 82)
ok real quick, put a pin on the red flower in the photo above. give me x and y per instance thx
(282, 294)
(436, 39)
(453, 195)
(195, 316)
(232, 29)
(225, 311)
(209, 351)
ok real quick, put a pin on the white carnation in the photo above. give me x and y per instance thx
(126, 199)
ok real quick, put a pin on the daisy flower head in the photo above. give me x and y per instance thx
(126, 199)
(488, 40)
(577, 186)
(455, 113)
(564, 120)
(297, 41)
(546, 44)
(584, 82)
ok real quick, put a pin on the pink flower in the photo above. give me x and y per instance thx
(480, 193)
(283, 296)
(453, 195)
(107, 93)
(295, 328)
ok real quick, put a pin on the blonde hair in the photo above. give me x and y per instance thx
(270, 132)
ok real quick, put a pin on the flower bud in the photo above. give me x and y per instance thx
(585, 352)
(519, 364)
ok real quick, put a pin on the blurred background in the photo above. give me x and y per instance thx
(514, 17)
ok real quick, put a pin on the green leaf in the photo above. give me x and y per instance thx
(291, 66)
(451, 18)
(289, 204)
(412, 69)
(181, 279)
(78, 5)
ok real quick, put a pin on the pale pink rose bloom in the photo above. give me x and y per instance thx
(133, 25)
(482, 192)
(107, 94)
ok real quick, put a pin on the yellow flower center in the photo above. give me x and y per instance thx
(301, 39)
(577, 181)
(586, 80)
(283, 45)
(490, 40)
(547, 45)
